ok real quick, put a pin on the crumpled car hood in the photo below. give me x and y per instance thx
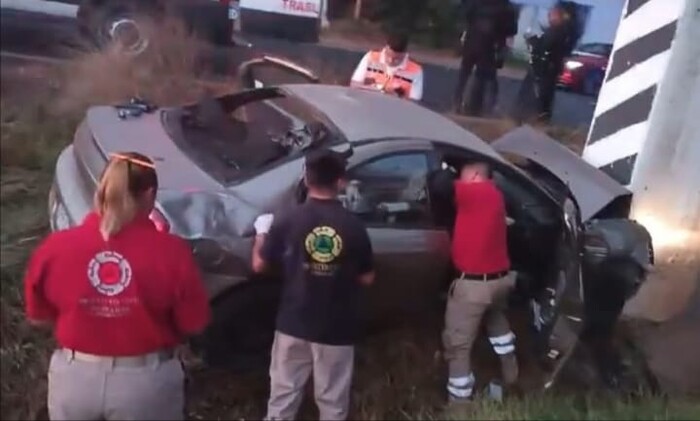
(591, 188)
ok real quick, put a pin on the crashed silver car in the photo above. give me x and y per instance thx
(223, 161)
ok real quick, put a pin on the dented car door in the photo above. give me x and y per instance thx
(388, 191)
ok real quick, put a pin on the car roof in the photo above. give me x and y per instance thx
(363, 115)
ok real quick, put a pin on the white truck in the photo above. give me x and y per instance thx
(217, 21)
(124, 21)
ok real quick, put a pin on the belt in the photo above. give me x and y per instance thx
(144, 360)
(483, 276)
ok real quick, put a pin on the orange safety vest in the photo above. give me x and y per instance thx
(378, 76)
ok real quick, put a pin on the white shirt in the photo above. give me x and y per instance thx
(416, 87)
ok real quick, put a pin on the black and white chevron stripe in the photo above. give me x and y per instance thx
(641, 53)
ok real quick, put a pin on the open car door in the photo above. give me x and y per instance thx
(558, 310)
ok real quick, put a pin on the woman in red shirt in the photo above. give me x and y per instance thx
(120, 296)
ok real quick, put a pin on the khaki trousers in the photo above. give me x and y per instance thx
(293, 361)
(468, 303)
(102, 390)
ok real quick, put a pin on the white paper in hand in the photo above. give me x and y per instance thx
(263, 223)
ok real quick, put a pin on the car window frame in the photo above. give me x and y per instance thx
(231, 103)
(431, 161)
(507, 170)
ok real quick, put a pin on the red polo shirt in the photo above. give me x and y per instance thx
(480, 236)
(137, 293)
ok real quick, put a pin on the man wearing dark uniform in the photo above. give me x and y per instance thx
(488, 24)
(325, 256)
(548, 53)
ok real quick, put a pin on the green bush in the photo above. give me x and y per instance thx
(430, 22)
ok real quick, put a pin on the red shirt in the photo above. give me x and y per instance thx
(137, 293)
(480, 243)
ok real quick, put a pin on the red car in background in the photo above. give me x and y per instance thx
(584, 71)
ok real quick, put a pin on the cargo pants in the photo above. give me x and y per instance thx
(115, 388)
(469, 302)
(293, 362)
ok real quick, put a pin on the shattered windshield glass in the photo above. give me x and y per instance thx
(232, 144)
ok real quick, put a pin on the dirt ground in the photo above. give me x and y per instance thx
(400, 373)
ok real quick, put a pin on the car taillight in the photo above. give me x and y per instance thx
(159, 221)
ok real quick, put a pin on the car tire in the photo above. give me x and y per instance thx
(592, 82)
(239, 337)
(118, 21)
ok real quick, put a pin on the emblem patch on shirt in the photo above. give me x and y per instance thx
(323, 244)
(109, 272)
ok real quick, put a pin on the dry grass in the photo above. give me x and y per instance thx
(399, 374)
(29, 148)
(172, 71)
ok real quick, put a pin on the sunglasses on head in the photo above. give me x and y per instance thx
(134, 182)
(131, 160)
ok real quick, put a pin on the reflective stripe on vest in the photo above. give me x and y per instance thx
(401, 78)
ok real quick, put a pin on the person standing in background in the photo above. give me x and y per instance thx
(120, 296)
(325, 257)
(503, 46)
(548, 53)
(488, 24)
(391, 70)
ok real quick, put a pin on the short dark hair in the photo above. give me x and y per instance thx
(324, 169)
(398, 42)
(485, 166)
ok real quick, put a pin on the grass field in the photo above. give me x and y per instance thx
(400, 374)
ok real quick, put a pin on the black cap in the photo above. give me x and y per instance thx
(324, 168)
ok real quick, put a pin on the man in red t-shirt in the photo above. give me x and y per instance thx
(480, 255)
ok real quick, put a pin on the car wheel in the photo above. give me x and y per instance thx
(117, 24)
(240, 334)
(593, 82)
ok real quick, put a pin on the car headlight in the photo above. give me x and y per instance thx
(573, 65)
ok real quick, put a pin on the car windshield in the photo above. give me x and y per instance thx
(233, 137)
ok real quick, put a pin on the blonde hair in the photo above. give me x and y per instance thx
(119, 195)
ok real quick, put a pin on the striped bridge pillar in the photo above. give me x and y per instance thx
(646, 127)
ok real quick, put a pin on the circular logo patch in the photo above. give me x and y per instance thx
(109, 272)
(323, 244)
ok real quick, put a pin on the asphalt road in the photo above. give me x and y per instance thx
(30, 33)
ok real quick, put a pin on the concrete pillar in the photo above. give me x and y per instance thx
(666, 177)
(646, 134)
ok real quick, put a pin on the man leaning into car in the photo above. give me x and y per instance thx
(480, 291)
(326, 257)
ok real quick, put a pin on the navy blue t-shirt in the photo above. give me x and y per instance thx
(322, 249)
